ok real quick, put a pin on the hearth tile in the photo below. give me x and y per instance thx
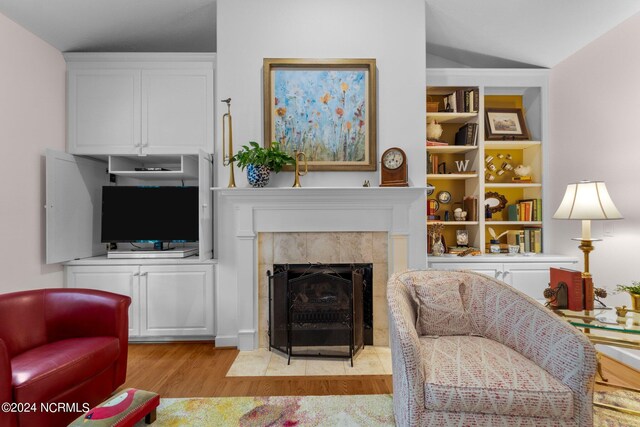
(289, 248)
(356, 247)
(384, 353)
(263, 280)
(380, 313)
(278, 366)
(380, 247)
(250, 363)
(263, 318)
(325, 367)
(380, 336)
(323, 247)
(265, 248)
(380, 279)
(365, 364)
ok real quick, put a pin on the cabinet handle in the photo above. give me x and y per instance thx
(498, 274)
(143, 274)
(145, 144)
(205, 206)
(504, 273)
(136, 274)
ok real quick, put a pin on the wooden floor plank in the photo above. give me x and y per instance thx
(199, 369)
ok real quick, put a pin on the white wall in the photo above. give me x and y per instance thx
(594, 114)
(32, 118)
(393, 34)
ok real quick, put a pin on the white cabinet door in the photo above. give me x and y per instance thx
(176, 300)
(177, 111)
(103, 111)
(490, 269)
(530, 278)
(121, 280)
(205, 182)
(73, 206)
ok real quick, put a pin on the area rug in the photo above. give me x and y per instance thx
(374, 410)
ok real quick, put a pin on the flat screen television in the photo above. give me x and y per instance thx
(149, 214)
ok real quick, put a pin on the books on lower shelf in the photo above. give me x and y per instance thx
(525, 210)
(529, 239)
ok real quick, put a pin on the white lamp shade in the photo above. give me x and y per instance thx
(587, 200)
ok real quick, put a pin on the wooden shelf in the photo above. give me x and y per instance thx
(510, 145)
(458, 223)
(452, 176)
(512, 185)
(451, 117)
(490, 223)
(451, 149)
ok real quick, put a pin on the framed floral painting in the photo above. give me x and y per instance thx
(324, 108)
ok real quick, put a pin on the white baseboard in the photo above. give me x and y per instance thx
(226, 341)
(627, 356)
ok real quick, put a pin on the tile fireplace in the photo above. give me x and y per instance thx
(257, 228)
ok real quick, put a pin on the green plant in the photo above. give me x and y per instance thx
(634, 288)
(272, 157)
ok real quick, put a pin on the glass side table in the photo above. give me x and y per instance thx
(604, 326)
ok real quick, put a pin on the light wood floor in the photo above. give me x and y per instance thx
(198, 370)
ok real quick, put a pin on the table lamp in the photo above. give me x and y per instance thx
(587, 200)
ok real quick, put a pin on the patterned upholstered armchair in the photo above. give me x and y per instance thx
(469, 350)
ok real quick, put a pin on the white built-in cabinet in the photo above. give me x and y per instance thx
(139, 103)
(128, 113)
(529, 275)
(167, 300)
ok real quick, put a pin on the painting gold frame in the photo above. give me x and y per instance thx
(271, 65)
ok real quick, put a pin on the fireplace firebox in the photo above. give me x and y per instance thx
(320, 310)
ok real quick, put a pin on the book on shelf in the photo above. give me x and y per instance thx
(529, 240)
(470, 205)
(467, 134)
(573, 281)
(464, 101)
(436, 143)
(525, 210)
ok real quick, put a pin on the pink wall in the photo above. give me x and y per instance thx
(32, 118)
(594, 118)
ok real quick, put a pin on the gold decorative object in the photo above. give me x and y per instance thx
(227, 157)
(298, 173)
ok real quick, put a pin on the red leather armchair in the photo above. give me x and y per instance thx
(61, 350)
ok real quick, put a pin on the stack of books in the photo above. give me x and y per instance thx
(525, 210)
(467, 134)
(463, 101)
(529, 239)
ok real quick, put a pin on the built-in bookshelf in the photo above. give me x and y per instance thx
(504, 171)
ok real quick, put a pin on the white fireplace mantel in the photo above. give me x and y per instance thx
(245, 212)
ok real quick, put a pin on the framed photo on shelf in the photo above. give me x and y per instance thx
(505, 124)
(324, 108)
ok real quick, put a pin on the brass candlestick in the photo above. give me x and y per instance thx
(227, 158)
(298, 173)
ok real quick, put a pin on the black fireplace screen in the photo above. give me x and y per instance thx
(320, 310)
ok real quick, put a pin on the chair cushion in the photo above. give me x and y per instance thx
(440, 309)
(475, 374)
(47, 371)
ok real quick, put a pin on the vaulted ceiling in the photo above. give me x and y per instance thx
(459, 33)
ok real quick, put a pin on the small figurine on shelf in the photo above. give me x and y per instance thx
(435, 234)
(459, 215)
(522, 173)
